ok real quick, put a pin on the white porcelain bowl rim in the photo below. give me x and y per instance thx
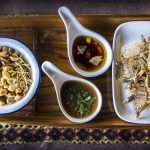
(30, 58)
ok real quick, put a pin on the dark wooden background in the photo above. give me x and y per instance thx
(9, 7)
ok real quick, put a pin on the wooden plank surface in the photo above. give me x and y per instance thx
(53, 48)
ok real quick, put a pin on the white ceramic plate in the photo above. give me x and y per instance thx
(124, 34)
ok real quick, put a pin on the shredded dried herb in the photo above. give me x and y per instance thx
(80, 101)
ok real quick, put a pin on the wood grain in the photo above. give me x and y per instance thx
(53, 48)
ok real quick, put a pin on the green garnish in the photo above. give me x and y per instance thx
(80, 101)
(88, 39)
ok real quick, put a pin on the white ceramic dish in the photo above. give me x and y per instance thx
(75, 29)
(124, 34)
(58, 78)
(29, 56)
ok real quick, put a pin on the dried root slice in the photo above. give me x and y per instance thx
(13, 73)
(14, 58)
(13, 87)
(15, 76)
(18, 91)
(25, 90)
(3, 81)
(7, 68)
(3, 92)
(2, 103)
(81, 49)
(4, 54)
(134, 71)
(11, 80)
(143, 39)
(10, 100)
(6, 86)
(5, 74)
(142, 107)
(119, 70)
(129, 99)
(18, 97)
(142, 71)
(11, 94)
(95, 60)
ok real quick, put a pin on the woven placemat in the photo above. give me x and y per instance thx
(12, 134)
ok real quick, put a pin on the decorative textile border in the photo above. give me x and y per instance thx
(11, 134)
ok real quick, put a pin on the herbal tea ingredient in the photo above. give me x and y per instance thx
(88, 53)
(79, 101)
(134, 71)
(15, 76)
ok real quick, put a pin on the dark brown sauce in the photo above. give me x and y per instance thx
(66, 93)
(93, 48)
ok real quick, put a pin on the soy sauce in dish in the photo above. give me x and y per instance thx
(78, 99)
(88, 53)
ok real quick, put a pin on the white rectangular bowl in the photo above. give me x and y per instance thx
(126, 33)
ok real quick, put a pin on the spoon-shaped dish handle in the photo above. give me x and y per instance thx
(51, 70)
(68, 17)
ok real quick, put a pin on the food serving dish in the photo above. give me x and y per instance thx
(43, 114)
(75, 30)
(63, 82)
(127, 33)
(30, 58)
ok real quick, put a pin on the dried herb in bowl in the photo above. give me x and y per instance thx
(15, 76)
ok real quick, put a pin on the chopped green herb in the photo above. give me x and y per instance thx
(80, 101)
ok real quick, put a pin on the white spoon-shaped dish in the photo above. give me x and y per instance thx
(59, 78)
(75, 29)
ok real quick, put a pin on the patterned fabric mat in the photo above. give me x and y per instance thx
(12, 134)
